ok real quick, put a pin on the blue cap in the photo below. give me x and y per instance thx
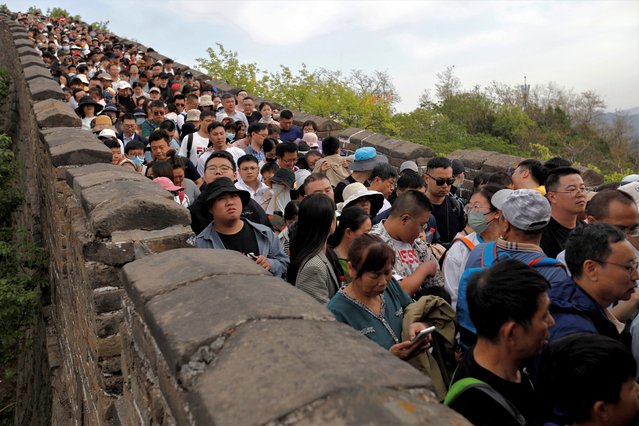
(365, 153)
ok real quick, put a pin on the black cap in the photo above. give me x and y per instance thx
(284, 177)
(221, 186)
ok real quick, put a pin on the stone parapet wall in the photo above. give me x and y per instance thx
(144, 329)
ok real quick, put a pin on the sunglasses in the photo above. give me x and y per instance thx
(158, 112)
(441, 182)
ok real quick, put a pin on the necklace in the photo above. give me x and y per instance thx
(379, 317)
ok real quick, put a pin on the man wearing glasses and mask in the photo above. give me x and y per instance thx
(447, 210)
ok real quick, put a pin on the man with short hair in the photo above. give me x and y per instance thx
(286, 153)
(603, 264)
(251, 114)
(195, 144)
(217, 139)
(159, 143)
(530, 174)
(590, 380)
(566, 193)
(318, 183)
(448, 211)
(257, 132)
(288, 131)
(508, 304)
(249, 171)
(229, 231)
(228, 103)
(157, 117)
(221, 164)
(128, 133)
(383, 178)
(414, 264)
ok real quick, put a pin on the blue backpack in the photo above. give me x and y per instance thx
(467, 331)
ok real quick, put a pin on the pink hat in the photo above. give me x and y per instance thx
(166, 183)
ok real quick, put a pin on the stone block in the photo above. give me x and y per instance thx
(71, 154)
(108, 253)
(28, 51)
(497, 162)
(102, 275)
(28, 61)
(377, 141)
(217, 305)
(472, 159)
(21, 35)
(122, 190)
(36, 71)
(108, 324)
(375, 405)
(72, 173)
(159, 240)
(164, 272)
(22, 43)
(136, 210)
(360, 137)
(591, 178)
(122, 174)
(56, 113)
(303, 361)
(107, 299)
(109, 346)
(410, 151)
(42, 88)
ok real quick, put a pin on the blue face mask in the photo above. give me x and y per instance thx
(140, 120)
(230, 136)
(137, 160)
(269, 118)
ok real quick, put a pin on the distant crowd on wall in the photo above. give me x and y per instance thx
(519, 301)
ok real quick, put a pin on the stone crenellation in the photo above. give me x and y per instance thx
(142, 328)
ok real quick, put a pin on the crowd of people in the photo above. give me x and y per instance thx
(516, 296)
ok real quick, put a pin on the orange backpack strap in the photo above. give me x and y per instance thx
(466, 242)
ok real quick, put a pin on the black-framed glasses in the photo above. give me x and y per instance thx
(630, 269)
(440, 181)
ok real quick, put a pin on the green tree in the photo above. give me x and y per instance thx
(32, 10)
(472, 110)
(100, 26)
(4, 8)
(512, 124)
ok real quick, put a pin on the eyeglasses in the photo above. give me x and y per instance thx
(476, 208)
(630, 269)
(440, 181)
(158, 112)
(222, 169)
(572, 191)
(630, 232)
(179, 105)
(291, 161)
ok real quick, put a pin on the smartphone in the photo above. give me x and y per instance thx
(251, 256)
(422, 335)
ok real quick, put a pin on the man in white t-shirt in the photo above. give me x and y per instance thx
(413, 263)
(217, 137)
(199, 140)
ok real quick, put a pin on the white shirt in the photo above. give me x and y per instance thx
(455, 264)
(262, 196)
(197, 148)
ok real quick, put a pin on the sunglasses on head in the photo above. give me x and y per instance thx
(441, 182)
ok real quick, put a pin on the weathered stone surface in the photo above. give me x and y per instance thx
(304, 360)
(20, 42)
(56, 113)
(323, 124)
(500, 162)
(107, 299)
(75, 172)
(71, 154)
(410, 151)
(151, 242)
(378, 141)
(345, 135)
(36, 71)
(121, 190)
(28, 61)
(20, 35)
(101, 275)
(591, 178)
(42, 88)
(162, 273)
(375, 406)
(359, 138)
(125, 174)
(108, 324)
(237, 299)
(27, 51)
(136, 210)
(109, 253)
(472, 159)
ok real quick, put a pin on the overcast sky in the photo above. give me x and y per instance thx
(579, 45)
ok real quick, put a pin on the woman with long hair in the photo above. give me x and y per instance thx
(312, 265)
(353, 222)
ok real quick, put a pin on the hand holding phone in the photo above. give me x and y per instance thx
(422, 335)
